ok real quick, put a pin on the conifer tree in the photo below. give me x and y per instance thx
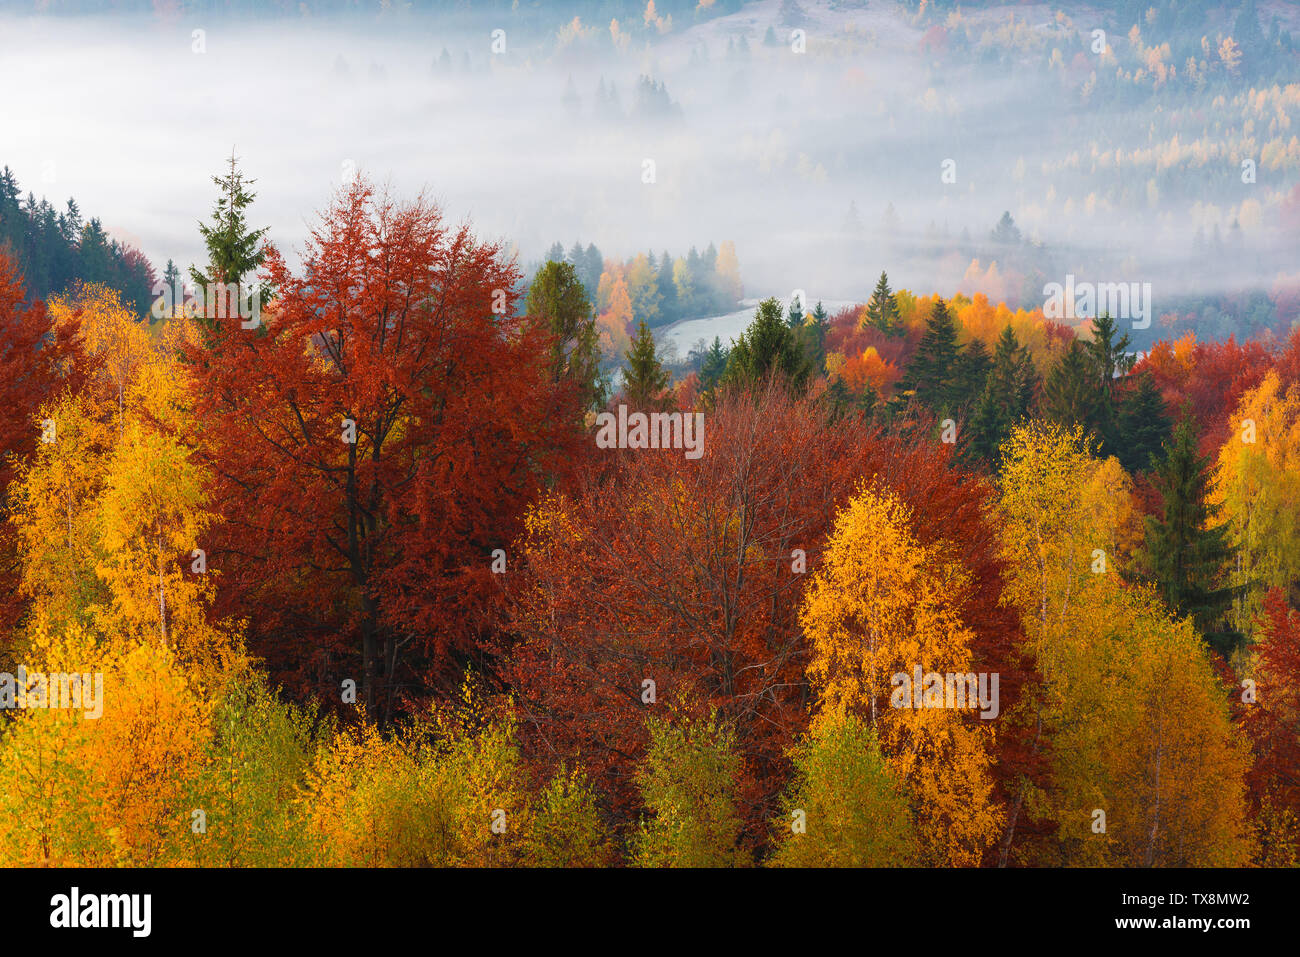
(882, 308)
(644, 377)
(1142, 427)
(933, 372)
(1186, 556)
(235, 252)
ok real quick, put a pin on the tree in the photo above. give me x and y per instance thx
(1257, 486)
(416, 422)
(1134, 755)
(850, 806)
(767, 347)
(644, 377)
(794, 318)
(688, 783)
(1006, 398)
(714, 365)
(39, 359)
(1073, 394)
(235, 251)
(1270, 722)
(931, 375)
(1143, 425)
(1187, 551)
(881, 605)
(558, 298)
(882, 309)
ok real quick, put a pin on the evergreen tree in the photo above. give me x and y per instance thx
(1111, 359)
(644, 377)
(1143, 426)
(972, 372)
(669, 307)
(235, 251)
(714, 365)
(1005, 399)
(1073, 394)
(767, 347)
(932, 374)
(558, 298)
(1186, 556)
(812, 336)
(882, 309)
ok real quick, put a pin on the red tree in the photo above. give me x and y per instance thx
(372, 445)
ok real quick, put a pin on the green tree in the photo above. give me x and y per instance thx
(1142, 427)
(768, 346)
(558, 297)
(1073, 394)
(714, 365)
(844, 807)
(1008, 393)
(932, 374)
(644, 377)
(688, 785)
(882, 309)
(235, 251)
(1185, 557)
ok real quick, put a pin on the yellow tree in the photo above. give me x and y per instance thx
(107, 788)
(1126, 697)
(883, 605)
(54, 510)
(1257, 485)
(109, 332)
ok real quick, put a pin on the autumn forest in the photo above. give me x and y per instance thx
(393, 546)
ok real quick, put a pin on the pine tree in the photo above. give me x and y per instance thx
(714, 365)
(1143, 425)
(932, 373)
(882, 309)
(1185, 556)
(644, 377)
(972, 371)
(794, 318)
(812, 338)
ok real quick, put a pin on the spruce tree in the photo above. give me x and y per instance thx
(768, 346)
(235, 252)
(1005, 399)
(714, 365)
(1143, 425)
(1073, 394)
(794, 318)
(882, 309)
(644, 377)
(932, 374)
(1186, 555)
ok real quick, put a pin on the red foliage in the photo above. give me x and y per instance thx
(1271, 722)
(655, 566)
(372, 559)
